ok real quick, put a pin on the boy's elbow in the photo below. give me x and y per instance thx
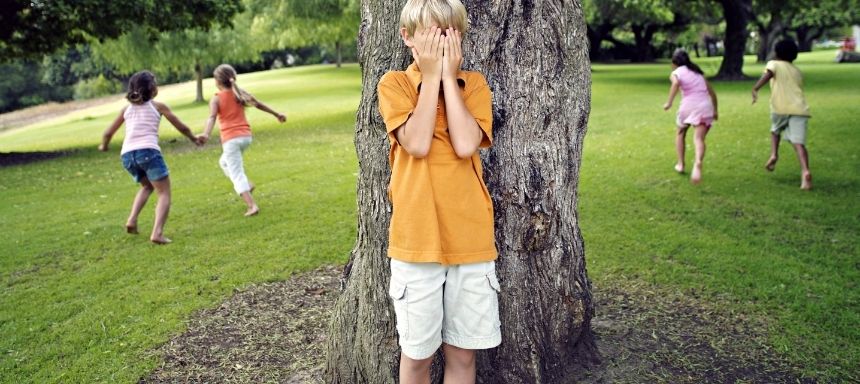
(418, 151)
(465, 152)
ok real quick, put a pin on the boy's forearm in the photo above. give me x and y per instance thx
(465, 133)
(417, 133)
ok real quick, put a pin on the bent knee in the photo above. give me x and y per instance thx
(415, 364)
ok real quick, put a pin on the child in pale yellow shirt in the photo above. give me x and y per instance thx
(788, 110)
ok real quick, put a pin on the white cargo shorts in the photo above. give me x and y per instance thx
(453, 304)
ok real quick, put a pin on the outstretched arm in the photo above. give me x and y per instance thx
(673, 90)
(178, 124)
(111, 130)
(765, 77)
(713, 99)
(210, 122)
(265, 108)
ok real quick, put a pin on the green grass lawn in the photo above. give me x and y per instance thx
(81, 301)
(745, 235)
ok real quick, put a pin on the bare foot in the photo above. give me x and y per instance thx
(679, 168)
(131, 228)
(806, 181)
(696, 176)
(252, 211)
(160, 240)
(771, 163)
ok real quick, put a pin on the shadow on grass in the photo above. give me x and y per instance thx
(8, 159)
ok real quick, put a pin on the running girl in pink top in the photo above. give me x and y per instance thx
(698, 109)
(141, 155)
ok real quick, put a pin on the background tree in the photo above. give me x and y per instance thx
(643, 20)
(814, 19)
(31, 28)
(540, 79)
(299, 23)
(737, 14)
(193, 50)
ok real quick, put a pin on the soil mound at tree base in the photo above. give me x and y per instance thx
(276, 332)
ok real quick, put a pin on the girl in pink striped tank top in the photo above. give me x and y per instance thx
(698, 109)
(141, 155)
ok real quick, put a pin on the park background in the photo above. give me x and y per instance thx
(83, 302)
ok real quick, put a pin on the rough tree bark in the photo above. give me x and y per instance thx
(541, 81)
(737, 15)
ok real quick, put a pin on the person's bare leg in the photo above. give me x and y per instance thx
(140, 199)
(253, 209)
(699, 139)
(459, 365)
(680, 147)
(162, 209)
(774, 152)
(805, 175)
(415, 371)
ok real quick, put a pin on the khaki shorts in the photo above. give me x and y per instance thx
(792, 127)
(454, 304)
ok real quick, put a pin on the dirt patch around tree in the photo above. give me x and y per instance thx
(276, 333)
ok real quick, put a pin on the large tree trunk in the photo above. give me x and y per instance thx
(737, 14)
(540, 79)
(338, 49)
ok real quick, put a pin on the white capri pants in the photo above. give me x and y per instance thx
(232, 164)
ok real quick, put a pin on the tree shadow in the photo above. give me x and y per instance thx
(8, 159)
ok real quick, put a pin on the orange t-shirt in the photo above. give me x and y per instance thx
(441, 209)
(231, 116)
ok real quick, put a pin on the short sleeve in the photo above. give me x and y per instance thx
(479, 102)
(771, 66)
(395, 104)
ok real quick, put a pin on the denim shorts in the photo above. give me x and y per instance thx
(145, 163)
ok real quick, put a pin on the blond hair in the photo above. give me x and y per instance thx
(226, 76)
(418, 14)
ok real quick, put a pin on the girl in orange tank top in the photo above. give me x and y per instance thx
(228, 107)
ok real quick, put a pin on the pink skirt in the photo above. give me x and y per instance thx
(695, 113)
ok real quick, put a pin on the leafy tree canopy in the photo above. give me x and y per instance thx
(29, 28)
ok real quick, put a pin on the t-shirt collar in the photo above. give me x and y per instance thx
(414, 75)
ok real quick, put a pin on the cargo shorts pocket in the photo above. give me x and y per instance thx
(397, 291)
(493, 282)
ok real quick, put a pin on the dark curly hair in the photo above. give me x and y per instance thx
(786, 50)
(141, 87)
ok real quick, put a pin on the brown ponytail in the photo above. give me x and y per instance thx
(226, 76)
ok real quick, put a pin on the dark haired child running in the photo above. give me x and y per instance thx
(698, 109)
(789, 114)
(141, 155)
